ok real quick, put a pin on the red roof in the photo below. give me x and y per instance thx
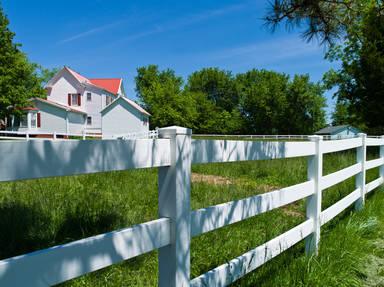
(111, 85)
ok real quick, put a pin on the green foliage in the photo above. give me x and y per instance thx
(218, 85)
(214, 101)
(326, 20)
(161, 94)
(19, 79)
(271, 103)
(359, 81)
(47, 74)
(263, 96)
(217, 101)
(306, 105)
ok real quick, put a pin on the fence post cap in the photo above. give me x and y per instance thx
(315, 138)
(174, 130)
(362, 135)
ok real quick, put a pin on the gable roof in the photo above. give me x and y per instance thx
(111, 85)
(79, 77)
(335, 129)
(130, 102)
(60, 106)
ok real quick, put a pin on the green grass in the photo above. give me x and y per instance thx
(36, 214)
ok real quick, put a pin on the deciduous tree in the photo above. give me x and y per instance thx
(161, 94)
(360, 79)
(19, 79)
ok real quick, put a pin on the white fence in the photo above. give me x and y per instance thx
(35, 135)
(137, 135)
(260, 137)
(274, 137)
(173, 153)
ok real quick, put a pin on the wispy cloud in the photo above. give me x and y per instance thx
(92, 31)
(282, 48)
(158, 28)
(184, 22)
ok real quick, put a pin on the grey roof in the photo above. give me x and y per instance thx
(333, 129)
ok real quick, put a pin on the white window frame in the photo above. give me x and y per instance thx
(74, 100)
(108, 100)
(24, 121)
(33, 120)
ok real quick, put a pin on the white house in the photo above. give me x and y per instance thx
(74, 104)
(123, 116)
(339, 132)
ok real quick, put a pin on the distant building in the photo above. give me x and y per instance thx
(74, 105)
(339, 132)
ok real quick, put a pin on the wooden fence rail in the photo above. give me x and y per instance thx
(173, 153)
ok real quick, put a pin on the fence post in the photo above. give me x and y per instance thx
(54, 135)
(174, 203)
(27, 136)
(313, 208)
(361, 153)
(382, 156)
(84, 134)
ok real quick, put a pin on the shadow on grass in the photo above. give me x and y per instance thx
(78, 225)
(24, 228)
(21, 229)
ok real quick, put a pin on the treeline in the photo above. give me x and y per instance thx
(217, 102)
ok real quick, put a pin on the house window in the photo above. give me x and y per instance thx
(145, 121)
(108, 100)
(33, 120)
(74, 99)
(9, 122)
(89, 97)
(24, 121)
(89, 121)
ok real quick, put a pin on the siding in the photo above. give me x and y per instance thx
(93, 108)
(122, 118)
(62, 87)
(344, 133)
(76, 123)
(52, 119)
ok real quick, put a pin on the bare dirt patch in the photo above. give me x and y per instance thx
(221, 180)
(211, 179)
(293, 210)
(374, 268)
(290, 210)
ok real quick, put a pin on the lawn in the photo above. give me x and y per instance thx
(40, 213)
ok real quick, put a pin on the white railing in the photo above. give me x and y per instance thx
(274, 137)
(153, 134)
(39, 135)
(173, 153)
(260, 137)
(32, 135)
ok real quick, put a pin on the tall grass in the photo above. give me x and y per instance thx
(36, 214)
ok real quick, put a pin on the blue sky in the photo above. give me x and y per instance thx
(102, 38)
